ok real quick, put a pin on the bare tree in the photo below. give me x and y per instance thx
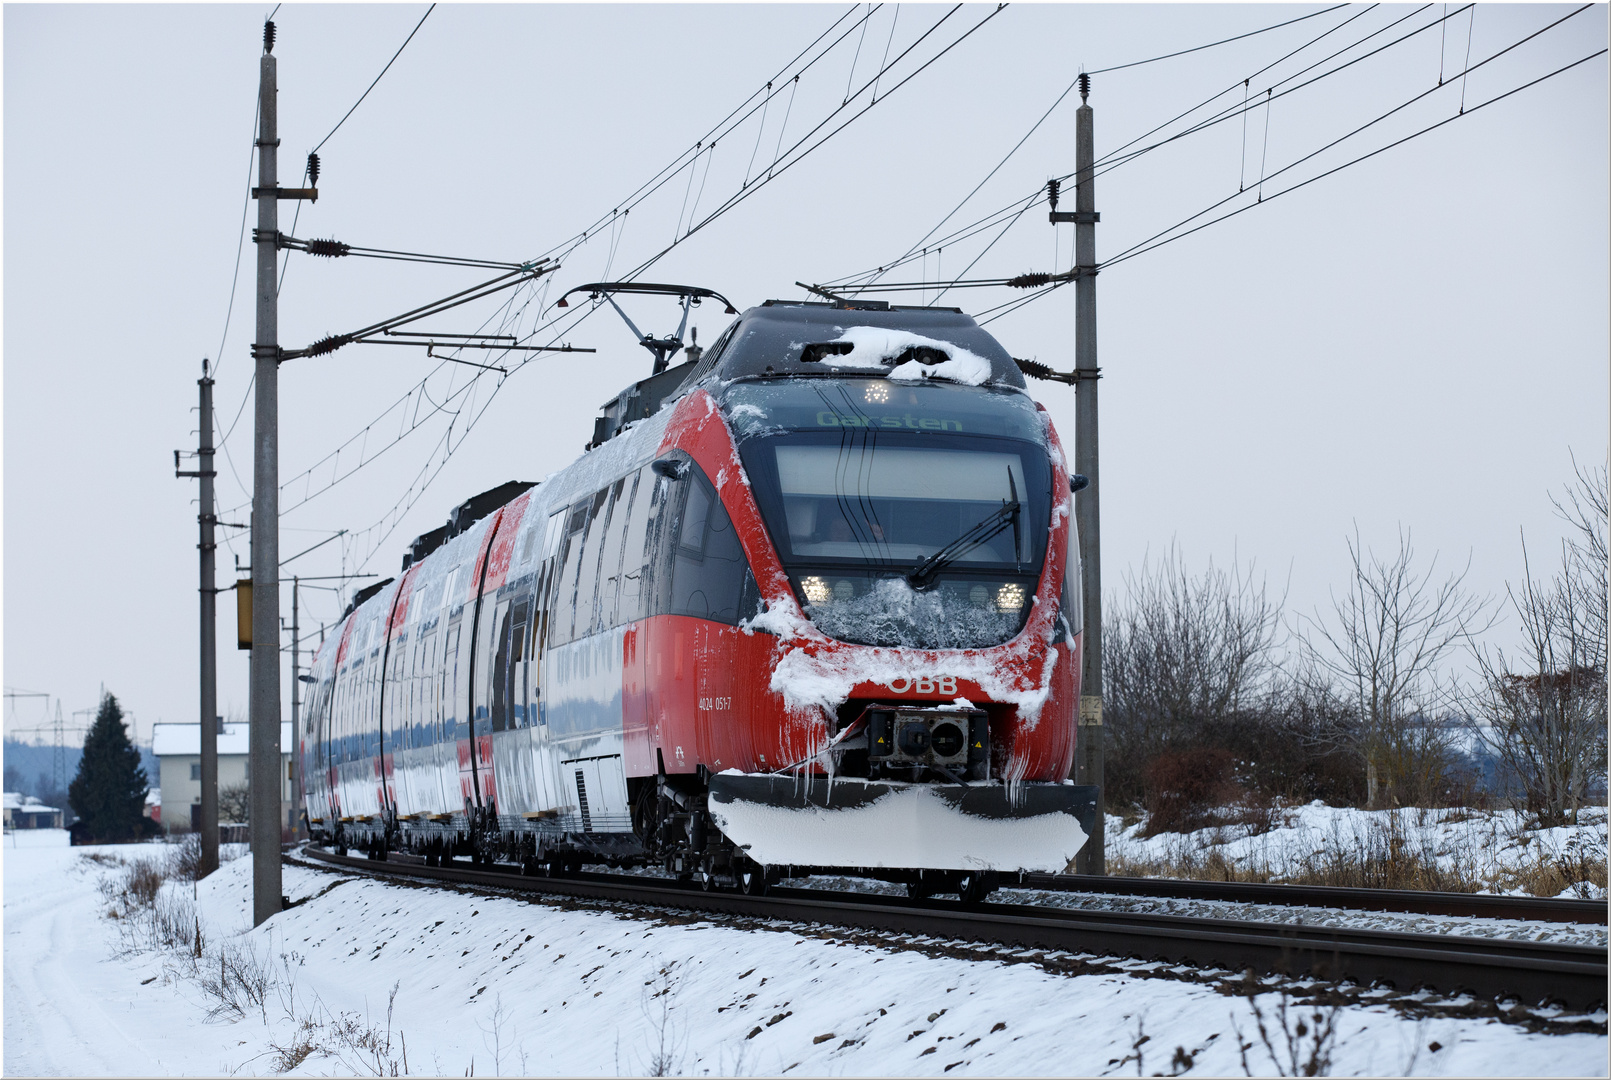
(1180, 654)
(1586, 508)
(234, 804)
(1544, 709)
(1386, 644)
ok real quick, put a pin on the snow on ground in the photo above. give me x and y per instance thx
(1480, 844)
(360, 970)
(34, 838)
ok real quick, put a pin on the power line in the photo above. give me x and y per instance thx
(706, 144)
(1363, 157)
(246, 205)
(1233, 111)
(643, 191)
(448, 445)
(1215, 44)
(1016, 208)
(738, 198)
(382, 74)
(1370, 123)
(1011, 306)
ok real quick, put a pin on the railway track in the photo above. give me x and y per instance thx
(1488, 968)
(1473, 905)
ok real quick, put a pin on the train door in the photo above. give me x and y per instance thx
(438, 772)
(455, 702)
(499, 699)
(519, 687)
(543, 612)
(491, 692)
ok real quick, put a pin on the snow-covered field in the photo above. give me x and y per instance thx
(1492, 848)
(363, 977)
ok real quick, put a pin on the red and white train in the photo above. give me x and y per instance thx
(809, 599)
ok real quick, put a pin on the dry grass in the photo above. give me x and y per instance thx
(1579, 867)
(356, 1046)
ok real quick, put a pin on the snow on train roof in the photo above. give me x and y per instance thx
(772, 338)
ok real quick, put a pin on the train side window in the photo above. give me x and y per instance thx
(587, 578)
(610, 556)
(500, 672)
(634, 545)
(562, 593)
(518, 684)
(666, 504)
(695, 515)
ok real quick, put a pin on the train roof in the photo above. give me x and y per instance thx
(777, 338)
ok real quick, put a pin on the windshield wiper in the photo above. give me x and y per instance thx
(923, 576)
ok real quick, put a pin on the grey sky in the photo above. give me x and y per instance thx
(1420, 340)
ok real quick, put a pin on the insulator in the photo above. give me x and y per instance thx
(268, 37)
(313, 169)
(328, 345)
(1053, 187)
(1085, 85)
(330, 249)
(1034, 369)
(1029, 281)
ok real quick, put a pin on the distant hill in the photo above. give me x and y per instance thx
(35, 763)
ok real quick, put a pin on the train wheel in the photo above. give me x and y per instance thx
(752, 881)
(974, 887)
(919, 890)
(707, 880)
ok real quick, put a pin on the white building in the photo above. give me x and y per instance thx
(27, 812)
(177, 748)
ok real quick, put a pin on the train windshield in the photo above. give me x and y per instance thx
(905, 514)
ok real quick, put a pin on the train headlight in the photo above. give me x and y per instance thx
(877, 393)
(979, 596)
(1010, 597)
(844, 590)
(816, 590)
(947, 740)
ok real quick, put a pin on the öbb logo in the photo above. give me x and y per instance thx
(925, 684)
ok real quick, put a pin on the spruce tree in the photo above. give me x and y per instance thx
(108, 793)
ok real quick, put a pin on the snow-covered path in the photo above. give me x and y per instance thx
(71, 1009)
(511, 986)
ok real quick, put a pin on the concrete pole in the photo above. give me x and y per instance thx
(1090, 758)
(209, 638)
(266, 783)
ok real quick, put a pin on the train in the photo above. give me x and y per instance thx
(808, 601)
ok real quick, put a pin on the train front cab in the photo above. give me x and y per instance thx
(846, 485)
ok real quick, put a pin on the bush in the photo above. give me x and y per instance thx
(1184, 788)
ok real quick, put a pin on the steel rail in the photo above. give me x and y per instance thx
(1489, 968)
(1473, 905)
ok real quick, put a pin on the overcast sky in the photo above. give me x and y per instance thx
(1418, 341)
